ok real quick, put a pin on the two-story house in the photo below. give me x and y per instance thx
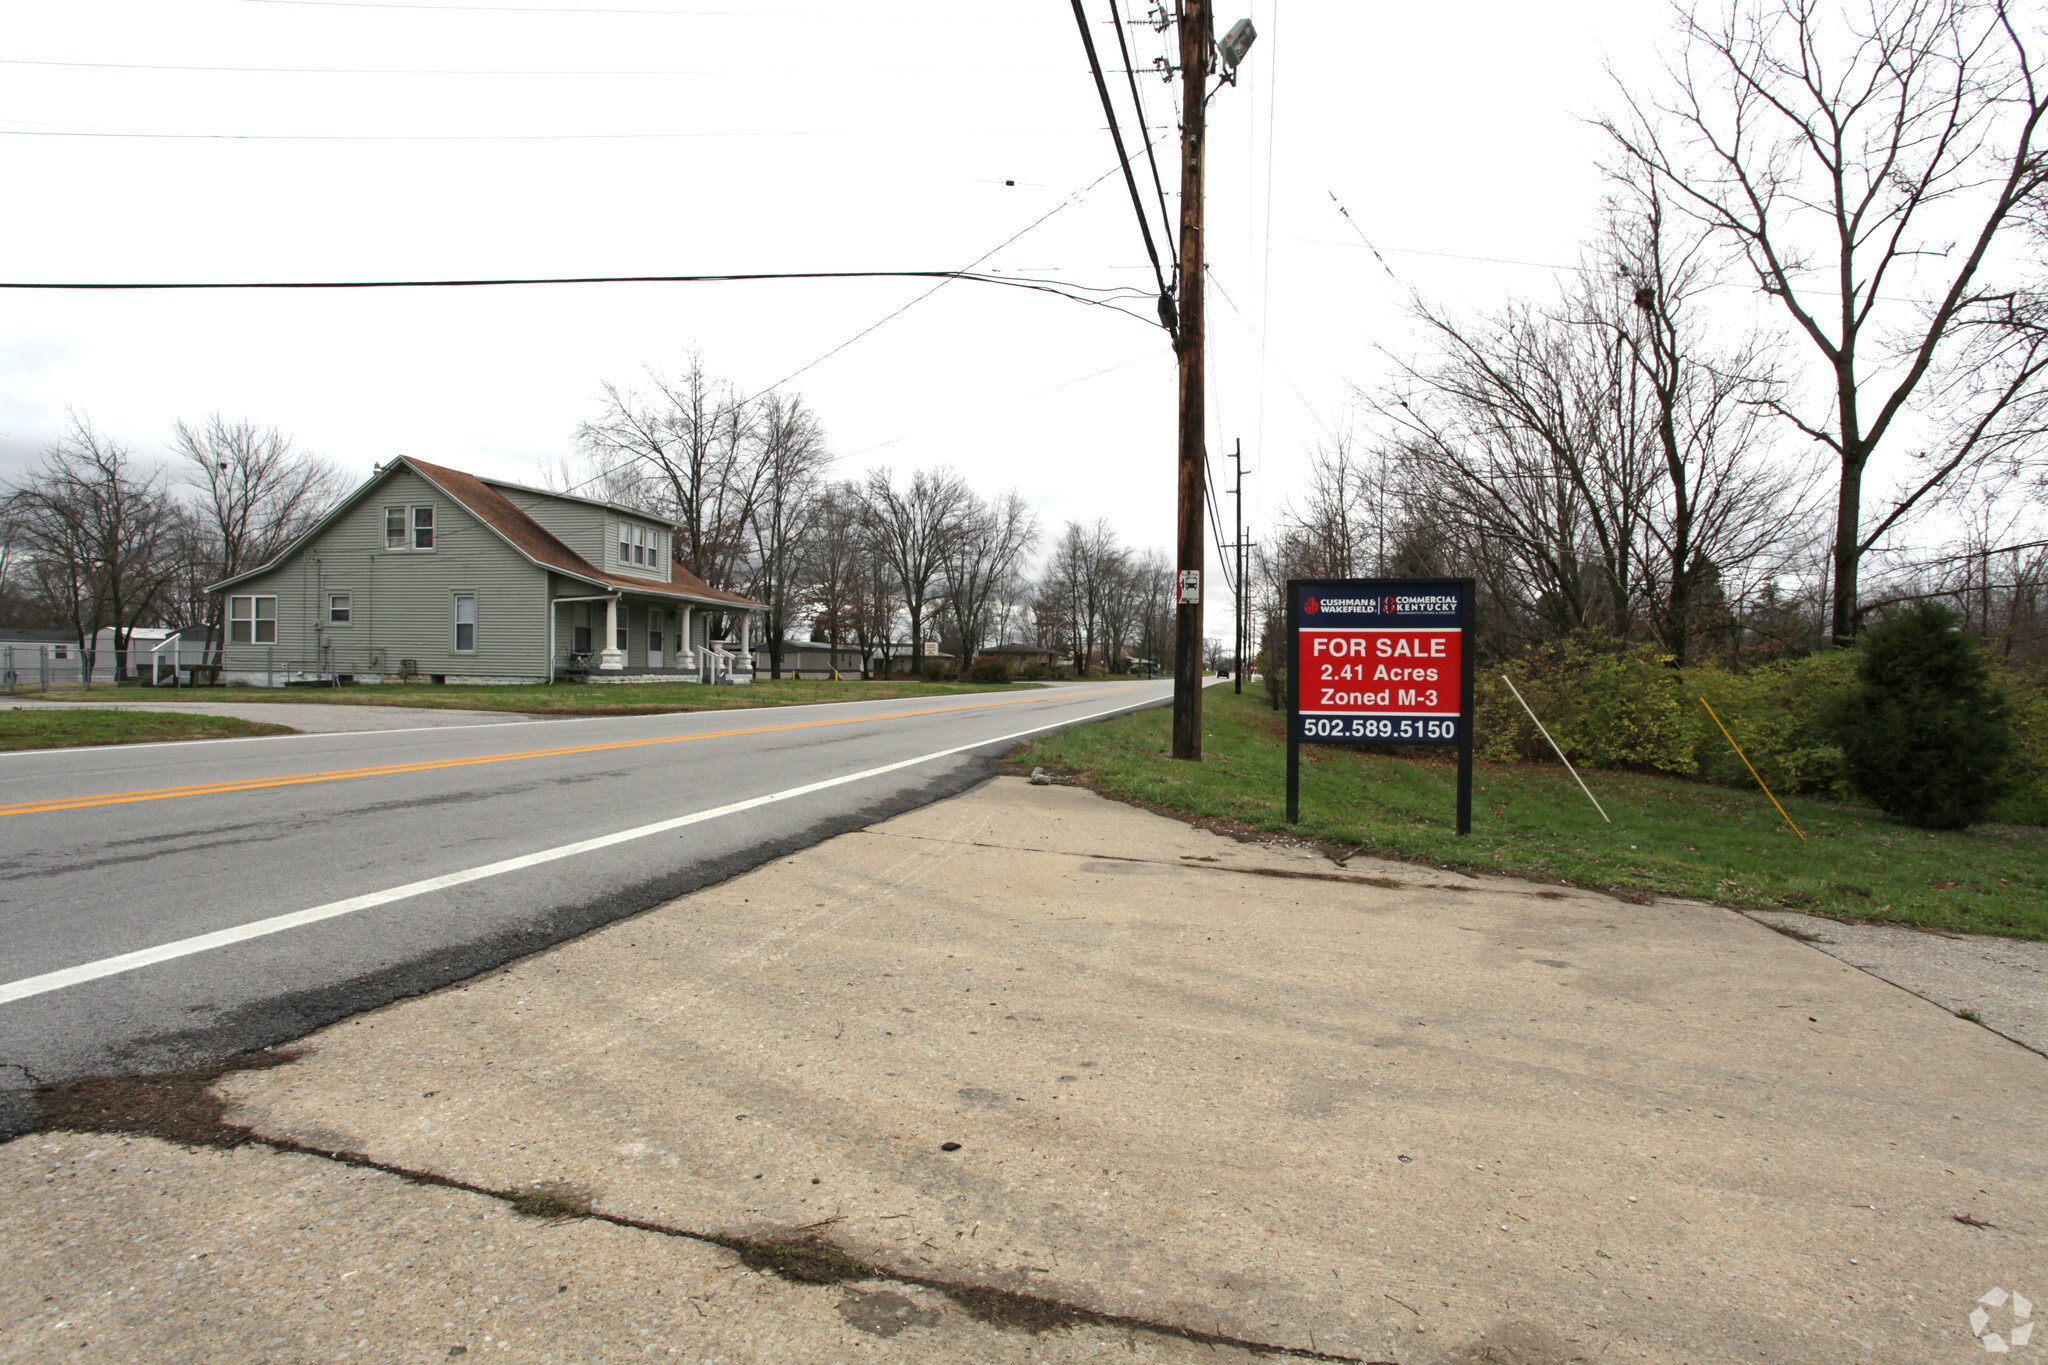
(429, 572)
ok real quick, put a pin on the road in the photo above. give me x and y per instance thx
(163, 906)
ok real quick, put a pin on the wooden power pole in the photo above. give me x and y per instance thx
(1187, 653)
(1237, 597)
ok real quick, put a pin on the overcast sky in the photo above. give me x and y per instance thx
(338, 139)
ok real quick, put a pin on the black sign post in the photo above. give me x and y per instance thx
(1379, 661)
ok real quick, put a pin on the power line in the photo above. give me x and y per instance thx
(1061, 288)
(453, 70)
(1123, 157)
(1076, 197)
(512, 9)
(464, 137)
(1138, 103)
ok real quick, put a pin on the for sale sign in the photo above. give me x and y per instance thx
(1380, 661)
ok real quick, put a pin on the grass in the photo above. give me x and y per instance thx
(52, 728)
(591, 699)
(1669, 836)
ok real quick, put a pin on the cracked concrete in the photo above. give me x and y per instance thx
(1032, 1040)
(2003, 981)
(171, 1254)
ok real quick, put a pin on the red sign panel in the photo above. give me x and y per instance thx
(1380, 672)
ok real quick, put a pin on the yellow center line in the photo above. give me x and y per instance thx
(297, 779)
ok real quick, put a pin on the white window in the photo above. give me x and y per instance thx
(655, 540)
(640, 539)
(409, 528)
(465, 622)
(339, 608)
(625, 543)
(252, 620)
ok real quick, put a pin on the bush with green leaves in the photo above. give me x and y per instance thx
(1607, 705)
(1924, 734)
(990, 668)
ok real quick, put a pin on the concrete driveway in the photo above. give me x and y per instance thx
(1381, 1114)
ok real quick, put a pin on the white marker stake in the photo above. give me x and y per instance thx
(1560, 753)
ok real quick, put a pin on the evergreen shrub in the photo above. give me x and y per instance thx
(1924, 733)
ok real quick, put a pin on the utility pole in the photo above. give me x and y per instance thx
(1237, 680)
(1187, 654)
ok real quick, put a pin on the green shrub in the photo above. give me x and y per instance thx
(2026, 803)
(1605, 706)
(1783, 716)
(989, 668)
(1924, 734)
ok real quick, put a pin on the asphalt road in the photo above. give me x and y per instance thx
(164, 906)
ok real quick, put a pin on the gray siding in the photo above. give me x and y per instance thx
(582, 526)
(402, 601)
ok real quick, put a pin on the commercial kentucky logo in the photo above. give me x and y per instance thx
(2002, 1321)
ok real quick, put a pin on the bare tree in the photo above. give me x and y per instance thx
(1713, 517)
(1846, 163)
(256, 495)
(96, 528)
(1079, 580)
(1592, 463)
(913, 530)
(833, 557)
(693, 444)
(983, 565)
(786, 508)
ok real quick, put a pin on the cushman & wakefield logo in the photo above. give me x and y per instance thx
(1390, 605)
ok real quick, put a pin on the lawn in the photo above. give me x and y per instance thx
(48, 727)
(1669, 835)
(592, 699)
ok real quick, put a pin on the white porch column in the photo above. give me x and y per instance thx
(609, 660)
(686, 648)
(746, 640)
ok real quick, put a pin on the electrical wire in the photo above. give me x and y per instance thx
(1106, 294)
(1123, 157)
(1138, 103)
(462, 137)
(512, 9)
(1076, 197)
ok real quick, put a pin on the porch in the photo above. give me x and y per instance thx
(650, 639)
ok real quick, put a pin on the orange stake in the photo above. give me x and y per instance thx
(1752, 770)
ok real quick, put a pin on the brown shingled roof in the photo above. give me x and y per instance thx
(539, 544)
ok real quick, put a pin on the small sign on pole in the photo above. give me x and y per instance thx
(1379, 661)
(1190, 588)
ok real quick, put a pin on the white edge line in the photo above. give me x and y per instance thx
(241, 933)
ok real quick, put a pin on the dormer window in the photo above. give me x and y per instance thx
(409, 528)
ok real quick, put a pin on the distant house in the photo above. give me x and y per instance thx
(432, 573)
(1022, 655)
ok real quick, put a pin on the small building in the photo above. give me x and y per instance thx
(810, 659)
(1021, 656)
(53, 656)
(427, 572)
